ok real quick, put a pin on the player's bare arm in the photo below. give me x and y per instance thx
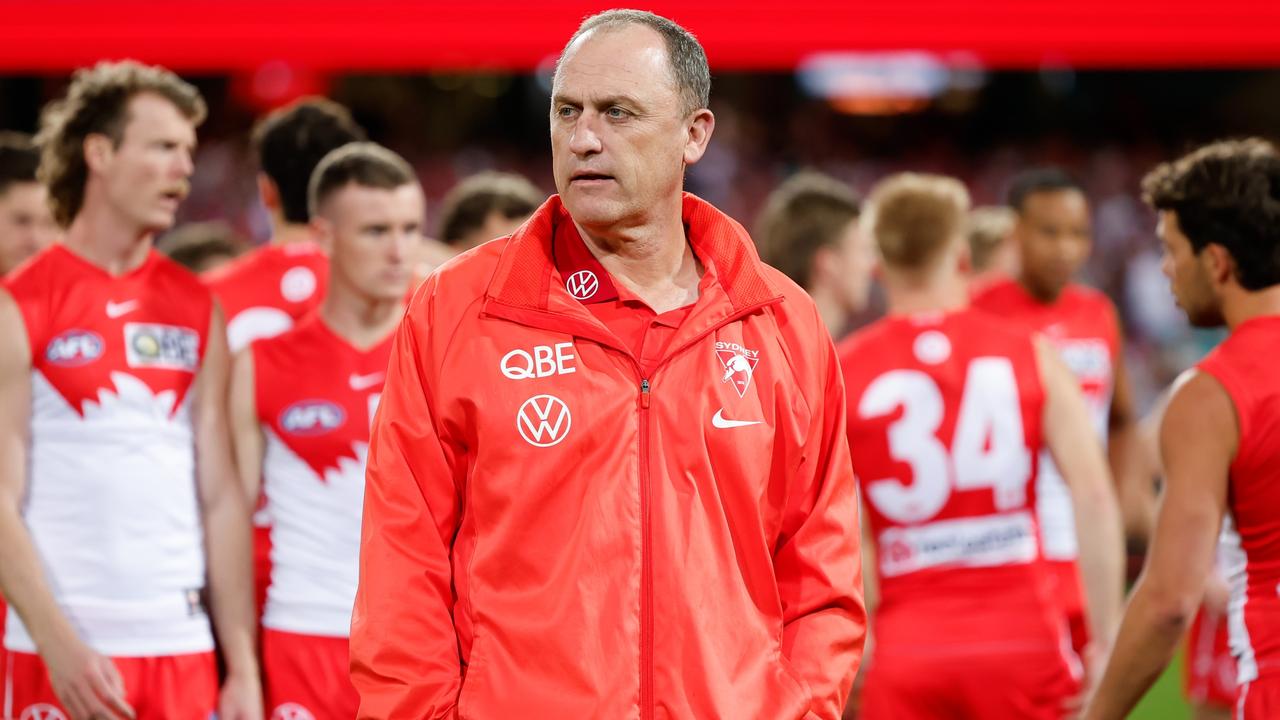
(246, 432)
(1079, 457)
(226, 523)
(1198, 439)
(87, 683)
(1134, 485)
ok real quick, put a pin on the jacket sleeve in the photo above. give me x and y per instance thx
(817, 560)
(404, 648)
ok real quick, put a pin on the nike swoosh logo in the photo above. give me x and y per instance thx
(115, 309)
(718, 420)
(364, 382)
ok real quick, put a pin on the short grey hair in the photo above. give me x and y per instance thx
(685, 55)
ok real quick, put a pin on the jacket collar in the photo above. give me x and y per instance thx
(526, 277)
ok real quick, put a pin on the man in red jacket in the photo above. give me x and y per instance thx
(608, 477)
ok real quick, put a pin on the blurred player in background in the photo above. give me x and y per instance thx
(1053, 234)
(118, 494)
(268, 289)
(809, 230)
(202, 246)
(302, 403)
(948, 408)
(1219, 210)
(485, 206)
(992, 250)
(26, 223)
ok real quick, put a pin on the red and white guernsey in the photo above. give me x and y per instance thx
(1083, 326)
(265, 292)
(112, 501)
(944, 420)
(316, 395)
(1245, 365)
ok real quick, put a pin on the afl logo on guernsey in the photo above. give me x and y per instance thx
(312, 417)
(74, 348)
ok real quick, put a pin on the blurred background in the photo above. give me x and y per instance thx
(979, 90)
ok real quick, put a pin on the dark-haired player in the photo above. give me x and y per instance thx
(26, 225)
(1053, 234)
(1220, 437)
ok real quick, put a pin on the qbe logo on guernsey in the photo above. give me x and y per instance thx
(544, 420)
(162, 347)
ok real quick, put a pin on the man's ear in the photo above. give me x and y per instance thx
(98, 151)
(1218, 264)
(700, 127)
(268, 191)
(321, 232)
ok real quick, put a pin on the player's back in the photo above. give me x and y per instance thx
(111, 490)
(944, 422)
(315, 396)
(1246, 367)
(264, 292)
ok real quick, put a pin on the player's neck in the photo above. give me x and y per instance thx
(1038, 293)
(653, 260)
(1244, 306)
(915, 296)
(830, 309)
(285, 233)
(103, 238)
(358, 319)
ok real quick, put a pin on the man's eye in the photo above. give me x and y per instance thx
(616, 113)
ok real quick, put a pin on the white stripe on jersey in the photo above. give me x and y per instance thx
(1237, 573)
(315, 540)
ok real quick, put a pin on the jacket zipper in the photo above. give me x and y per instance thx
(646, 564)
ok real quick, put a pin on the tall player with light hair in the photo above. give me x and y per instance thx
(119, 507)
(947, 411)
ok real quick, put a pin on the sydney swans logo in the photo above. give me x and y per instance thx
(739, 365)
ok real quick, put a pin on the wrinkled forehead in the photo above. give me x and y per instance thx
(630, 60)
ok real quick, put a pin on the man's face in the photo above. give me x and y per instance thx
(620, 139)
(375, 236)
(1188, 277)
(1054, 238)
(146, 176)
(856, 261)
(26, 223)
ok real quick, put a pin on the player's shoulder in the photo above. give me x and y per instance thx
(34, 273)
(865, 339)
(1079, 295)
(232, 272)
(301, 339)
(996, 293)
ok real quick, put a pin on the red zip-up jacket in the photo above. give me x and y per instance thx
(550, 534)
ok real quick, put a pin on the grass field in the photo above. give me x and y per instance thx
(1165, 702)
